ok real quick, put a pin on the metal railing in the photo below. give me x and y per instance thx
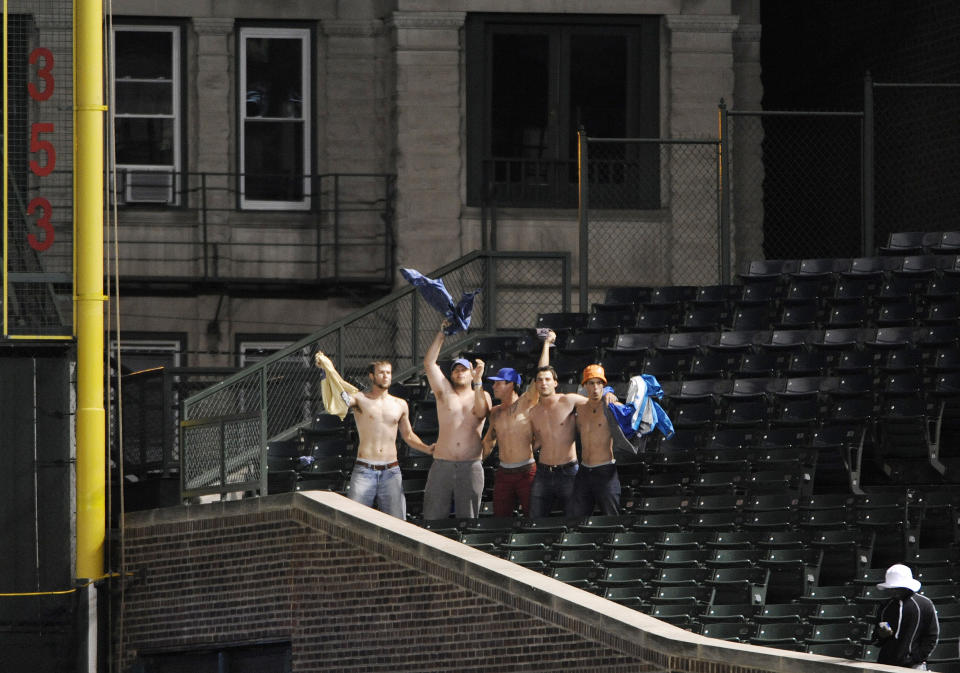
(530, 183)
(190, 227)
(226, 428)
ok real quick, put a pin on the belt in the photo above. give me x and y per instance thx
(554, 468)
(522, 468)
(377, 467)
(596, 467)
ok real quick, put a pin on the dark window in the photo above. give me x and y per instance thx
(274, 114)
(147, 106)
(534, 80)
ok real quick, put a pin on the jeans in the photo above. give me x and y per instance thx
(596, 486)
(552, 485)
(512, 487)
(458, 480)
(384, 486)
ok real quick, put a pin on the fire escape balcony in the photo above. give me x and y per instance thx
(182, 234)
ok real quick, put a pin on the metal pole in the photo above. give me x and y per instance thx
(223, 463)
(484, 245)
(490, 301)
(264, 433)
(724, 178)
(340, 349)
(414, 329)
(203, 223)
(336, 226)
(868, 177)
(493, 218)
(583, 205)
(388, 269)
(318, 223)
(88, 179)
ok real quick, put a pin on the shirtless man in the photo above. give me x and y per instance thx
(510, 429)
(555, 431)
(462, 406)
(597, 482)
(379, 416)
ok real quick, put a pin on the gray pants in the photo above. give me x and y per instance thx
(458, 480)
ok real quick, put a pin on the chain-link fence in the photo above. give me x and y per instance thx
(837, 184)
(226, 428)
(651, 213)
(795, 187)
(916, 144)
(152, 400)
(38, 197)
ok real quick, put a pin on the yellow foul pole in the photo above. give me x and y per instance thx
(88, 215)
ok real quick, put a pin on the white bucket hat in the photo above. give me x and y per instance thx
(899, 577)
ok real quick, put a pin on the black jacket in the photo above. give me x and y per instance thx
(915, 630)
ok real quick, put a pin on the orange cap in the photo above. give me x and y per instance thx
(593, 372)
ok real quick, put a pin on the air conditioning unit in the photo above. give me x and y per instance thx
(148, 187)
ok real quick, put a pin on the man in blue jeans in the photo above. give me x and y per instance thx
(597, 483)
(380, 416)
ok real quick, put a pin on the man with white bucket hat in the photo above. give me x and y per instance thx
(907, 627)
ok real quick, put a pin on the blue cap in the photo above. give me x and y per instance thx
(461, 361)
(506, 374)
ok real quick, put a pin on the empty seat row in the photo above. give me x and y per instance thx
(855, 310)
(921, 242)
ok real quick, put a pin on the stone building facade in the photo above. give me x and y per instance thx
(432, 92)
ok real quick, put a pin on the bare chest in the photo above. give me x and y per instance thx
(381, 412)
(591, 423)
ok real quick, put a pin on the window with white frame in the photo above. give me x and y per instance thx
(146, 104)
(144, 353)
(274, 126)
(253, 350)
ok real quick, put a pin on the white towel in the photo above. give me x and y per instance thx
(332, 386)
(643, 418)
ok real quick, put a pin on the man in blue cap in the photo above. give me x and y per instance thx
(510, 429)
(462, 406)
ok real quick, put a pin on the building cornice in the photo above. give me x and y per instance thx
(352, 27)
(702, 23)
(429, 20)
(213, 26)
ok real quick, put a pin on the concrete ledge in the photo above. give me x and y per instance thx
(662, 645)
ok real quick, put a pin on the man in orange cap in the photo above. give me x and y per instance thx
(554, 422)
(597, 482)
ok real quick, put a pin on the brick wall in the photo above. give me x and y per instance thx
(354, 590)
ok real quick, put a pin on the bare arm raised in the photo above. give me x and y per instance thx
(481, 399)
(532, 395)
(321, 360)
(438, 382)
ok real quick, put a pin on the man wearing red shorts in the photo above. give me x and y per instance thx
(510, 429)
